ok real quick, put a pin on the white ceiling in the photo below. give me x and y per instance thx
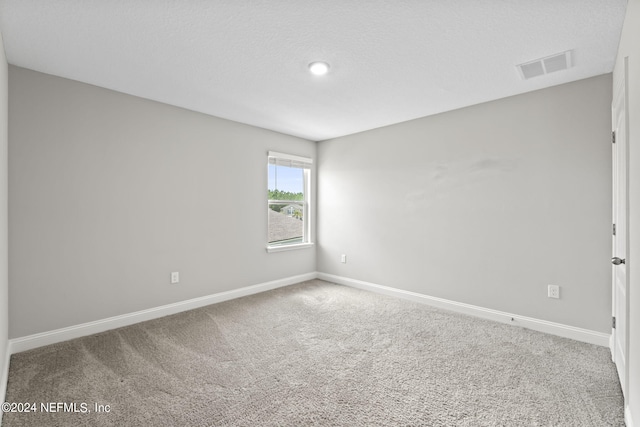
(391, 60)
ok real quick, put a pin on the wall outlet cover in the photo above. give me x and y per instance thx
(175, 277)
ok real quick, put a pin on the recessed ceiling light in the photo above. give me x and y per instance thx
(319, 68)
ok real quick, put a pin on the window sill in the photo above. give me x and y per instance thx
(289, 247)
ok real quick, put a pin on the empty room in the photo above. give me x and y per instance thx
(329, 213)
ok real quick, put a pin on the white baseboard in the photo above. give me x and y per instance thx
(29, 342)
(553, 328)
(17, 345)
(627, 416)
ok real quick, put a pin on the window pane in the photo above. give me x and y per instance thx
(286, 223)
(287, 206)
(286, 183)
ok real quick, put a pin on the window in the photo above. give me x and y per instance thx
(288, 201)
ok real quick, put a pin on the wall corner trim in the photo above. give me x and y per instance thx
(566, 331)
(29, 342)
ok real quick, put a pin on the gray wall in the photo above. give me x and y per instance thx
(109, 193)
(485, 205)
(4, 286)
(630, 46)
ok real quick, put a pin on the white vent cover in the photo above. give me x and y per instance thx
(550, 64)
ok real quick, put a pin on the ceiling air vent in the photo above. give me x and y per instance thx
(550, 64)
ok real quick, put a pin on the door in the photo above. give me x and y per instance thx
(619, 350)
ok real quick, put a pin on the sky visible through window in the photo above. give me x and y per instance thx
(286, 179)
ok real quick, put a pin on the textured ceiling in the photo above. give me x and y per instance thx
(391, 61)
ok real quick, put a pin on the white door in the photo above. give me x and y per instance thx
(619, 345)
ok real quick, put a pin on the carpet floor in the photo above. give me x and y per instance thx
(319, 354)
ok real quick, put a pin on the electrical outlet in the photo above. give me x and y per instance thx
(175, 277)
(553, 291)
(343, 258)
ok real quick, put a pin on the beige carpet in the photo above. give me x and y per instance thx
(319, 354)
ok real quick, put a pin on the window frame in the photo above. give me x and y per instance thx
(306, 165)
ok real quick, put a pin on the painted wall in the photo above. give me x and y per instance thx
(109, 193)
(4, 275)
(485, 205)
(630, 47)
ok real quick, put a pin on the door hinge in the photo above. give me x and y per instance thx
(613, 137)
(613, 322)
(614, 229)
